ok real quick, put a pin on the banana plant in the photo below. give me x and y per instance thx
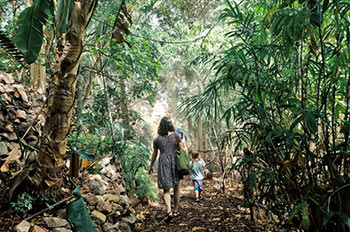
(72, 18)
(31, 23)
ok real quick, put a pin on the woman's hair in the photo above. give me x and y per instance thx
(195, 155)
(165, 126)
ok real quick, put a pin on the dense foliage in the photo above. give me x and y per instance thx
(268, 76)
(286, 64)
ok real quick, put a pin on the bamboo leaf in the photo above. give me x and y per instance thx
(305, 215)
(311, 122)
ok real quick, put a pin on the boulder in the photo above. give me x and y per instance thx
(98, 217)
(108, 227)
(54, 222)
(38, 229)
(24, 226)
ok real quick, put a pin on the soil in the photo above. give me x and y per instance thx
(216, 212)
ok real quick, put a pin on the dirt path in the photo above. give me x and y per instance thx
(216, 212)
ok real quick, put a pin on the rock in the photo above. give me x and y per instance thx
(3, 149)
(121, 189)
(38, 229)
(96, 184)
(104, 207)
(130, 219)
(108, 227)
(123, 226)
(98, 229)
(111, 198)
(114, 217)
(117, 208)
(21, 114)
(108, 170)
(116, 176)
(24, 226)
(61, 213)
(105, 161)
(98, 217)
(124, 201)
(91, 199)
(53, 222)
(61, 230)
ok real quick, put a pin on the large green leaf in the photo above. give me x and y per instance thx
(29, 34)
(78, 214)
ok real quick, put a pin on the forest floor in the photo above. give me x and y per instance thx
(216, 212)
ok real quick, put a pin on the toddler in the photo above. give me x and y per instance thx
(196, 167)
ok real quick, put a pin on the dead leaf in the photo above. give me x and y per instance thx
(21, 92)
(7, 78)
(197, 228)
(9, 128)
(16, 94)
(13, 156)
(215, 219)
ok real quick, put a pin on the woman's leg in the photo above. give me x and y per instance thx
(167, 200)
(177, 197)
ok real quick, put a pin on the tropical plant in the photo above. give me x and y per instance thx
(285, 64)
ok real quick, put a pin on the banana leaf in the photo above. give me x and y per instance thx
(29, 33)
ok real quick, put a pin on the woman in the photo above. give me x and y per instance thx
(168, 178)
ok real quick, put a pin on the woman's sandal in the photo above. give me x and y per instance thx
(168, 217)
(176, 213)
(171, 215)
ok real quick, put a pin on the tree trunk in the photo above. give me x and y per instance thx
(191, 132)
(124, 109)
(62, 96)
(200, 133)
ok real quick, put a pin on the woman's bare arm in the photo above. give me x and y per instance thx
(183, 146)
(153, 159)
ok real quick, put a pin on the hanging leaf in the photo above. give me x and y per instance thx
(86, 155)
(62, 16)
(78, 214)
(305, 215)
(30, 23)
(311, 122)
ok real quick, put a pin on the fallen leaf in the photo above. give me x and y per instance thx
(12, 157)
(215, 219)
(197, 228)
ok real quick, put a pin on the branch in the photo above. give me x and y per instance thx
(48, 208)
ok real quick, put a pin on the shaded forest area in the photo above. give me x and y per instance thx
(261, 89)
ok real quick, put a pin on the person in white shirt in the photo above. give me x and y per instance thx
(196, 166)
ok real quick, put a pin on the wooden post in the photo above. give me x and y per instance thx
(74, 165)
